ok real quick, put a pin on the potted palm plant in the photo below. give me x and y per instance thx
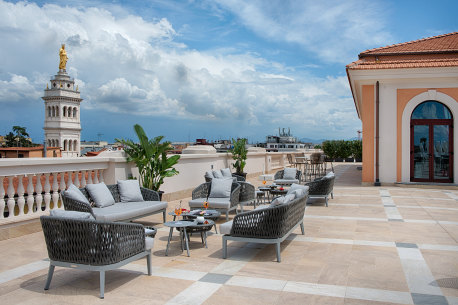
(150, 156)
(239, 154)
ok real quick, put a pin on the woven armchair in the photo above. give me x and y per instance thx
(203, 191)
(238, 177)
(75, 205)
(92, 245)
(278, 178)
(322, 187)
(270, 225)
(247, 194)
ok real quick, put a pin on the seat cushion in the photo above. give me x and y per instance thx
(289, 173)
(149, 243)
(225, 228)
(128, 210)
(100, 194)
(214, 203)
(70, 214)
(129, 191)
(286, 181)
(74, 193)
(221, 188)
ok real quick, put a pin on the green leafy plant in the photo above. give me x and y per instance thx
(343, 149)
(357, 149)
(18, 137)
(330, 149)
(239, 154)
(150, 156)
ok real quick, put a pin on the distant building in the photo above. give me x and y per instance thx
(179, 146)
(285, 141)
(29, 152)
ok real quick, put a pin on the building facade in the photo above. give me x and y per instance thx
(406, 96)
(62, 114)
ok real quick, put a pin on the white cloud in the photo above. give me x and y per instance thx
(126, 64)
(330, 29)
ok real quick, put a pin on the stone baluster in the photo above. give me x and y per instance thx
(83, 178)
(70, 179)
(55, 192)
(76, 181)
(20, 193)
(100, 176)
(96, 180)
(30, 198)
(47, 192)
(89, 177)
(62, 182)
(39, 196)
(10, 191)
(2, 197)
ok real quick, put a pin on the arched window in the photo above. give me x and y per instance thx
(57, 111)
(69, 145)
(69, 112)
(53, 111)
(431, 143)
(49, 143)
(65, 145)
(74, 112)
(49, 111)
(75, 145)
(65, 111)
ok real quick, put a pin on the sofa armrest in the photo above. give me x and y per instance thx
(239, 178)
(202, 191)
(149, 195)
(76, 205)
(91, 242)
(235, 196)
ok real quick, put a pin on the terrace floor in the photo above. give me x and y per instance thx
(372, 245)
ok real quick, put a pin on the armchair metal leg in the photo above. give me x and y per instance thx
(102, 284)
(302, 228)
(326, 198)
(163, 215)
(277, 246)
(148, 262)
(227, 215)
(332, 195)
(50, 273)
(224, 248)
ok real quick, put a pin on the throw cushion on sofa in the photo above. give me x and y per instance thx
(100, 194)
(221, 188)
(282, 200)
(129, 191)
(209, 175)
(217, 174)
(74, 193)
(226, 173)
(303, 188)
(289, 173)
(70, 214)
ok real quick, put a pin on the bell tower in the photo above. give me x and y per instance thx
(62, 111)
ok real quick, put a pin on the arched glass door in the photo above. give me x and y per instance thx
(431, 143)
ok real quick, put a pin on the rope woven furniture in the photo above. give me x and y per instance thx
(278, 178)
(247, 194)
(201, 193)
(322, 187)
(270, 225)
(92, 245)
(120, 211)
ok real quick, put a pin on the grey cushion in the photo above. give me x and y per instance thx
(262, 206)
(149, 243)
(226, 173)
(286, 181)
(217, 174)
(129, 191)
(128, 210)
(70, 214)
(221, 188)
(209, 174)
(330, 174)
(74, 193)
(289, 173)
(294, 187)
(282, 200)
(214, 203)
(100, 194)
(225, 228)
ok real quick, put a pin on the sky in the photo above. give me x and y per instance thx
(214, 69)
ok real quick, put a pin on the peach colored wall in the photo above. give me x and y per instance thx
(367, 117)
(403, 97)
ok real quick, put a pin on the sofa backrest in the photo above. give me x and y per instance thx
(113, 188)
(279, 174)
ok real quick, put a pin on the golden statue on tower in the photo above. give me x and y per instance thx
(63, 58)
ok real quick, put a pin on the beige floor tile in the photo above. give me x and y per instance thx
(228, 295)
(300, 298)
(444, 267)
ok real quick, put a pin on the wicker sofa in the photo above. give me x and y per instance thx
(280, 180)
(120, 211)
(322, 187)
(266, 225)
(210, 175)
(202, 192)
(93, 245)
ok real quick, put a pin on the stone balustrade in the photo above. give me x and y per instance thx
(31, 187)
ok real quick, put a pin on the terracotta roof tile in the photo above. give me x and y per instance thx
(402, 64)
(436, 44)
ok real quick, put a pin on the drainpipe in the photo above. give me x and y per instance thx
(377, 133)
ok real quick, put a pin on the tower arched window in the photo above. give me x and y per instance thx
(65, 145)
(69, 145)
(57, 111)
(69, 112)
(65, 111)
(49, 111)
(49, 143)
(53, 111)
(74, 112)
(75, 145)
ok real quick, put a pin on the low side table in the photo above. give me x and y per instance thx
(208, 214)
(266, 190)
(182, 224)
(201, 228)
(277, 192)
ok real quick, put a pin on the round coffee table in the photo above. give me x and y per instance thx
(278, 192)
(207, 214)
(266, 190)
(182, 224)
(201, 228)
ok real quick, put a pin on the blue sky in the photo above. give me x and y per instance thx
(210, 69)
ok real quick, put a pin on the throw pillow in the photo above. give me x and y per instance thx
(289, 198)
(221, 188)
(209, 174)
(217, 174)
(70, 214)
(100, 194)
(304, 188)
(74, 193)
(129, 191)
(226, 172)
(277, 201)
(289, 173)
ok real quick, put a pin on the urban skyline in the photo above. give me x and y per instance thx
(207, 69)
